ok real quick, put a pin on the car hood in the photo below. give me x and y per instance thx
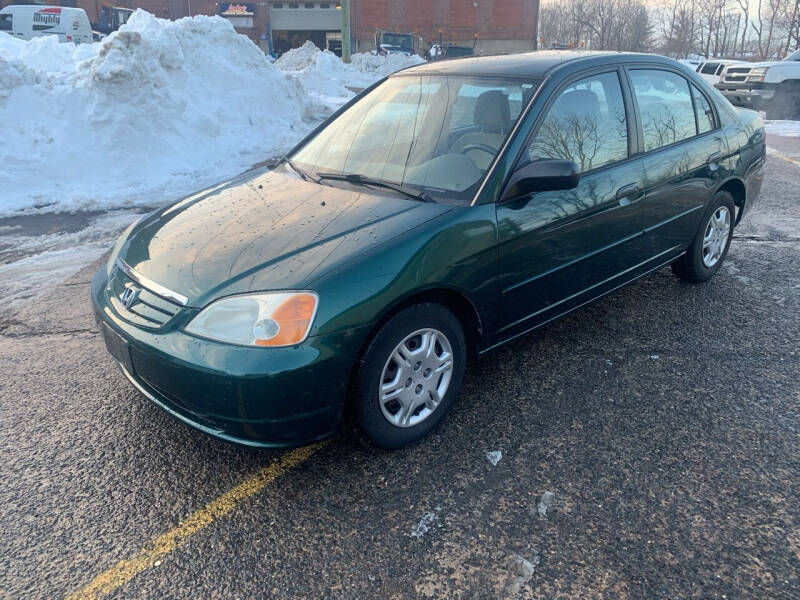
(265, 232)
(766, 63)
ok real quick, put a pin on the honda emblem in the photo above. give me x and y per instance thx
(128, 297)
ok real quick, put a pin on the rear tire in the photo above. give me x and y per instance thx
(410, 374)
(710, 246)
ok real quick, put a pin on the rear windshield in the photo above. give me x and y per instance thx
(5, 22)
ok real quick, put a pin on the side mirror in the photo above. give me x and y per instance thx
(547, 175)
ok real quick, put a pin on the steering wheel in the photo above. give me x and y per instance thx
(482, 147)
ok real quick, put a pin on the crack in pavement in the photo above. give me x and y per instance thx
(766, 240)
(31, 331)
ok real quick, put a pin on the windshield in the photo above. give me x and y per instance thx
(396, 39)
(437, 134)
(793, 56)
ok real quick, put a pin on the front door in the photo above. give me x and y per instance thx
(560, 249)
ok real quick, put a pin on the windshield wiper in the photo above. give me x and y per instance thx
(361, 180)
(303, 173)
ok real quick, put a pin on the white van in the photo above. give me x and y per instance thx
(29, 21)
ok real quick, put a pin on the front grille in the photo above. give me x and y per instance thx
(147, 309)
(736, 74)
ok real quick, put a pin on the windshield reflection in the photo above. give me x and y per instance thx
(438, 134)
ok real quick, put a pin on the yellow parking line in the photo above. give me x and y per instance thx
(125, 570)
(781, 155)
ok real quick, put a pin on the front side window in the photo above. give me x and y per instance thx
(665, 106)
(435, 133)
(586, 124)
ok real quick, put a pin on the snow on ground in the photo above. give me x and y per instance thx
(34, 262)
(155, 111)
(783, 128)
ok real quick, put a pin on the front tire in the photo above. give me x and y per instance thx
(710, 246)
(410, 375)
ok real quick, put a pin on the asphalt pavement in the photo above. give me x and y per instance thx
(648, 447)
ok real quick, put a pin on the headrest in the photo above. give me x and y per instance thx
(580, 103)
(492, 111)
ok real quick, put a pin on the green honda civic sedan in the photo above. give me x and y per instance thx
(444, 211)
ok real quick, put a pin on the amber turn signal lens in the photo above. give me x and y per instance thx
(293, 316)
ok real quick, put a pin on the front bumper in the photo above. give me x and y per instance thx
(264, 397)
(748, 95)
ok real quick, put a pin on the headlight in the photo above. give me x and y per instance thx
(757, 75)
(121, 240)
(268, 319)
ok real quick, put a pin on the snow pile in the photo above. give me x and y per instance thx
(298, 59)
(783, 128)
(155, 111)
(328, 82)
(363, 70)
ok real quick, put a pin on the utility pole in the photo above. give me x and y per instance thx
(346, 31)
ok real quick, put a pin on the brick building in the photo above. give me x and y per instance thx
(499, 25)
(494, 26)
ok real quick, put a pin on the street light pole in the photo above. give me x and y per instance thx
(346, 31)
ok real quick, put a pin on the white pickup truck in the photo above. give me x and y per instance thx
(772, 86)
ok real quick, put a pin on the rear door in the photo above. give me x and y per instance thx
(684, 148)
(559, 249)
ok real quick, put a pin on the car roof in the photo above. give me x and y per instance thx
(530, 64)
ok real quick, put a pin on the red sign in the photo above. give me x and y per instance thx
(238, 10)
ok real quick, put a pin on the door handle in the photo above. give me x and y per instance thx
(626, 191)
(713, 160)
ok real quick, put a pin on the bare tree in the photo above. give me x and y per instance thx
(596, 24)
(744, 5)
(679, 28)
(764, 26)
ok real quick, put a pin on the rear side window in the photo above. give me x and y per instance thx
(665, 105)
(6, 22)
(705, 115)
(586, 124)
